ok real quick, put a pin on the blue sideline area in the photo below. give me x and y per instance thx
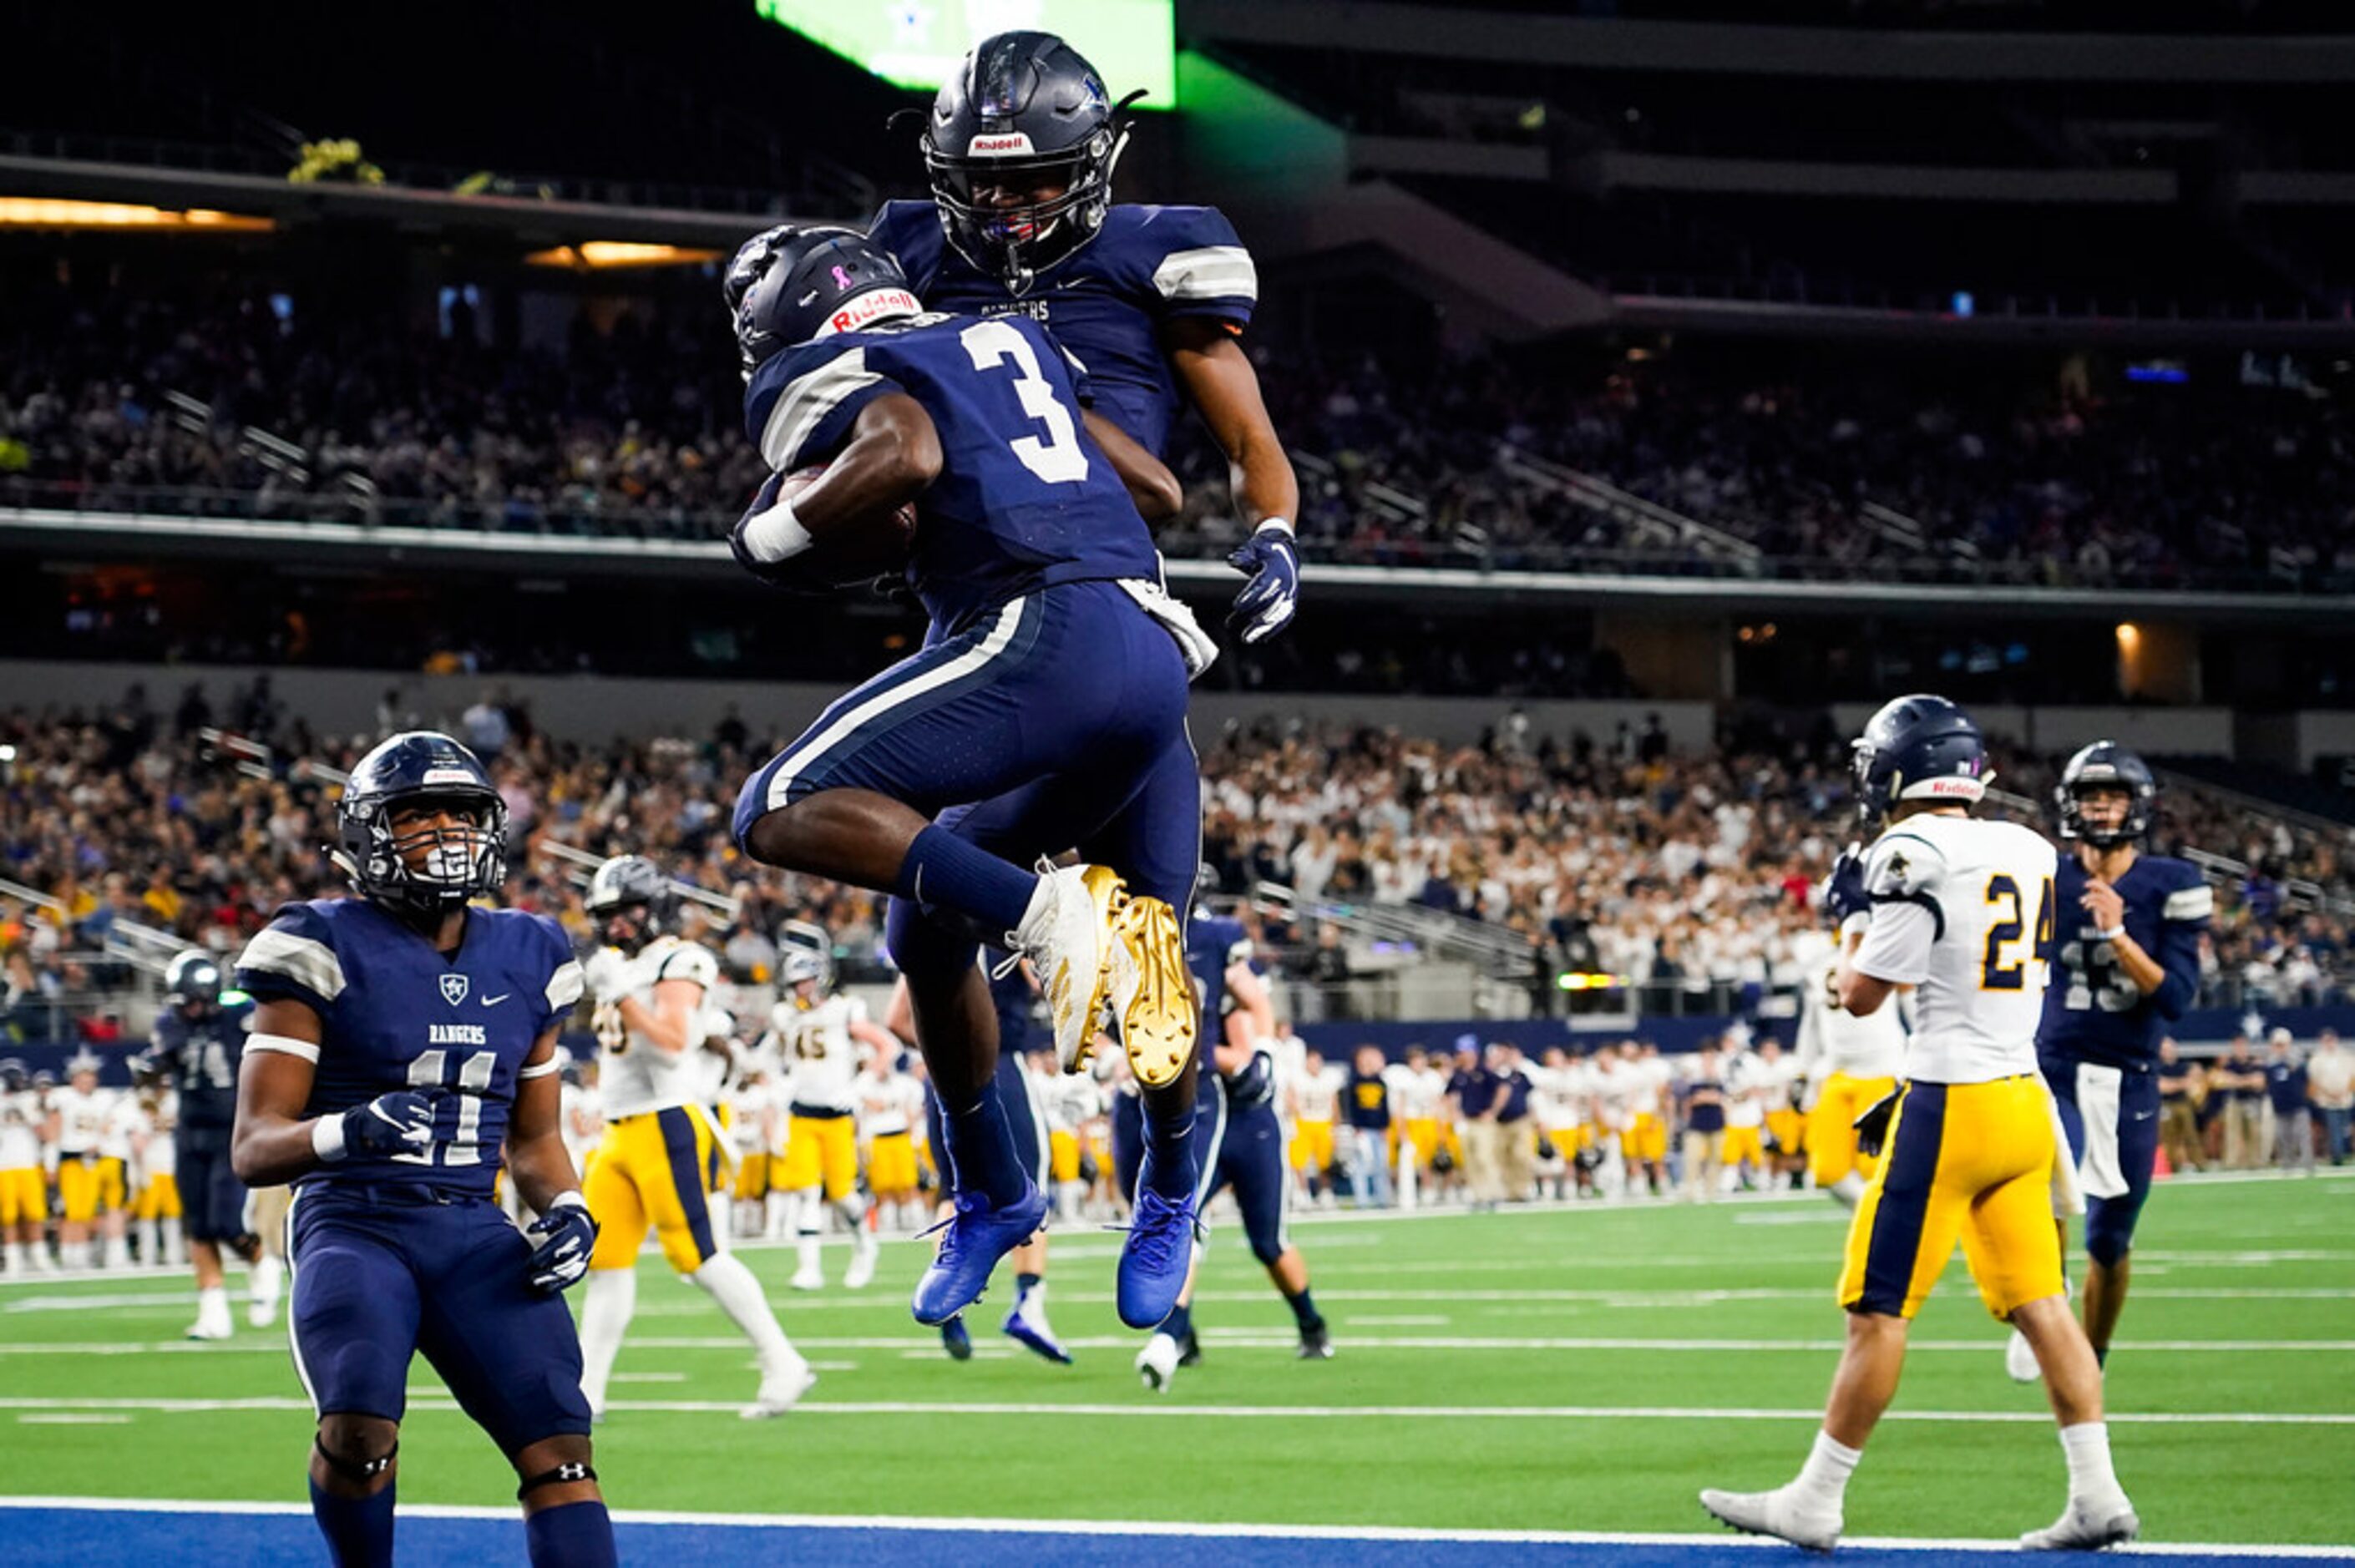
(86, 1538)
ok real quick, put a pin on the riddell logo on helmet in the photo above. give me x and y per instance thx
(870, 306)
(997, 144)
(1971, 789)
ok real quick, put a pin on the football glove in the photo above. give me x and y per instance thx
(558, 1262)
(609, 975)
(1270, 559)
(398, 1123)
(1872, 1127)
(1254, 1083)
(1844, 892)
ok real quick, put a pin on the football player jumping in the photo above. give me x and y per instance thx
(1046, 708)
(2128, 955)
(1962, 909)
(403, 1038)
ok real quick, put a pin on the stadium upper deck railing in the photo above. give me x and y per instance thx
(588, 536)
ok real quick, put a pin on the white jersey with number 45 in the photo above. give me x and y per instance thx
(816, 1044)
(1962, 909)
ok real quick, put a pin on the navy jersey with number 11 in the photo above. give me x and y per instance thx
(396, 1014)
(1023, 501)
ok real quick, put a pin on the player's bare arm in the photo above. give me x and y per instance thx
(1210, 364)
(536, 1158)
(669, 1024)
(274, 1141)
(893, 457)
(2108, 910)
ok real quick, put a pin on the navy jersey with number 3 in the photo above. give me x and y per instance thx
(1024, 500)
(1106, 301)
(2093, 1012)
(398, 1015)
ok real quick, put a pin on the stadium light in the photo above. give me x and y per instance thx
(596, 255)
(45, 212)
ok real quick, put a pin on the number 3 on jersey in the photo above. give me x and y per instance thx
(1058, 459)
(1996, 973)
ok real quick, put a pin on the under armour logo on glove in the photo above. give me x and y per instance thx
(559, 1261)
(1272, 560)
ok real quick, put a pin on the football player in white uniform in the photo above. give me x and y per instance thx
(1962, 909)
(821, 1036)
(1850, 1062)
(656, 1164)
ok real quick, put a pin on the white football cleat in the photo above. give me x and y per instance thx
(2019, 1360)
(2086, 1527)
(807, 1277)
(210, 1326)
(1157, 1362)
(1778, 1513)
(1069, 934)
(861, 1272)
(781, 1390)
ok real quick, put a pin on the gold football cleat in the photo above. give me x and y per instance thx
(1152, 991)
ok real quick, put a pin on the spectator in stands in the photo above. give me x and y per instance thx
(2178, 1124)
(2330, 1085)
(2285, 1089)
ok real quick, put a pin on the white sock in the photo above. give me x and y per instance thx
(269, 1279)
(1823, 1479)
(1848, 1189)
(853, 1211)
(604, 1318)
(738, 1294)
(807, 1251)
(176, 1244)
(212, 1304)
(780, 1214)
(721, 1206)
(2086, 1446)
(118, 1252)
(18, 1262)
(148, 1254)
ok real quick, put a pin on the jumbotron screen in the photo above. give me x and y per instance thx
(917, 43)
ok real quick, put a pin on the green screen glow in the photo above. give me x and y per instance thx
(918, 43)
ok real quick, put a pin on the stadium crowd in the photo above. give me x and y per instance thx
(1690, 876)
(633, 429)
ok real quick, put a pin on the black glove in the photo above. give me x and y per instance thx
(1872, 1127)
(557, 1263)
(399, 1123)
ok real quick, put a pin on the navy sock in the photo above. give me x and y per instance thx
(1180, 1323)
(1024, 1283)
(1303, 1310)
(570, 1535)
(1169, 1154)
(981, 1150)
(359, 1530)
(942, 871)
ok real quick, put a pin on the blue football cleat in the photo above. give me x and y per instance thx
(955, 1340)
(1154, 1258)
(972, 1241)
(1028, 1325)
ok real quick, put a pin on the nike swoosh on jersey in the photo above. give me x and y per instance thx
(495, 1000)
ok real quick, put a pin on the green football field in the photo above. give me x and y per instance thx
(1582, 1369)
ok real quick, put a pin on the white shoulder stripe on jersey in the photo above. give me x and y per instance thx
(2191, 902)
(309, 963)
(1208, 272)
(285, 1045)
(805, 403)
(565, 986)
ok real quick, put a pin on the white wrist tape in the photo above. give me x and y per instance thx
(571, 1199)
(2110, 936)
(327, 1138)
(775, 534)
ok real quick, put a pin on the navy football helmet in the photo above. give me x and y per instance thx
(2106, 765)
(1920, 748)
(791, 284)
(1026, 113)
(193, 978)
(631, 900)
(14, 1079)
(420, 768)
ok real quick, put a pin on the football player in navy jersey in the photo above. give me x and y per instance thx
(196, 1042)
(1021, 146)
(2126, 963)
(1047, 710)
(1238, 1141)
(403, 1039)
